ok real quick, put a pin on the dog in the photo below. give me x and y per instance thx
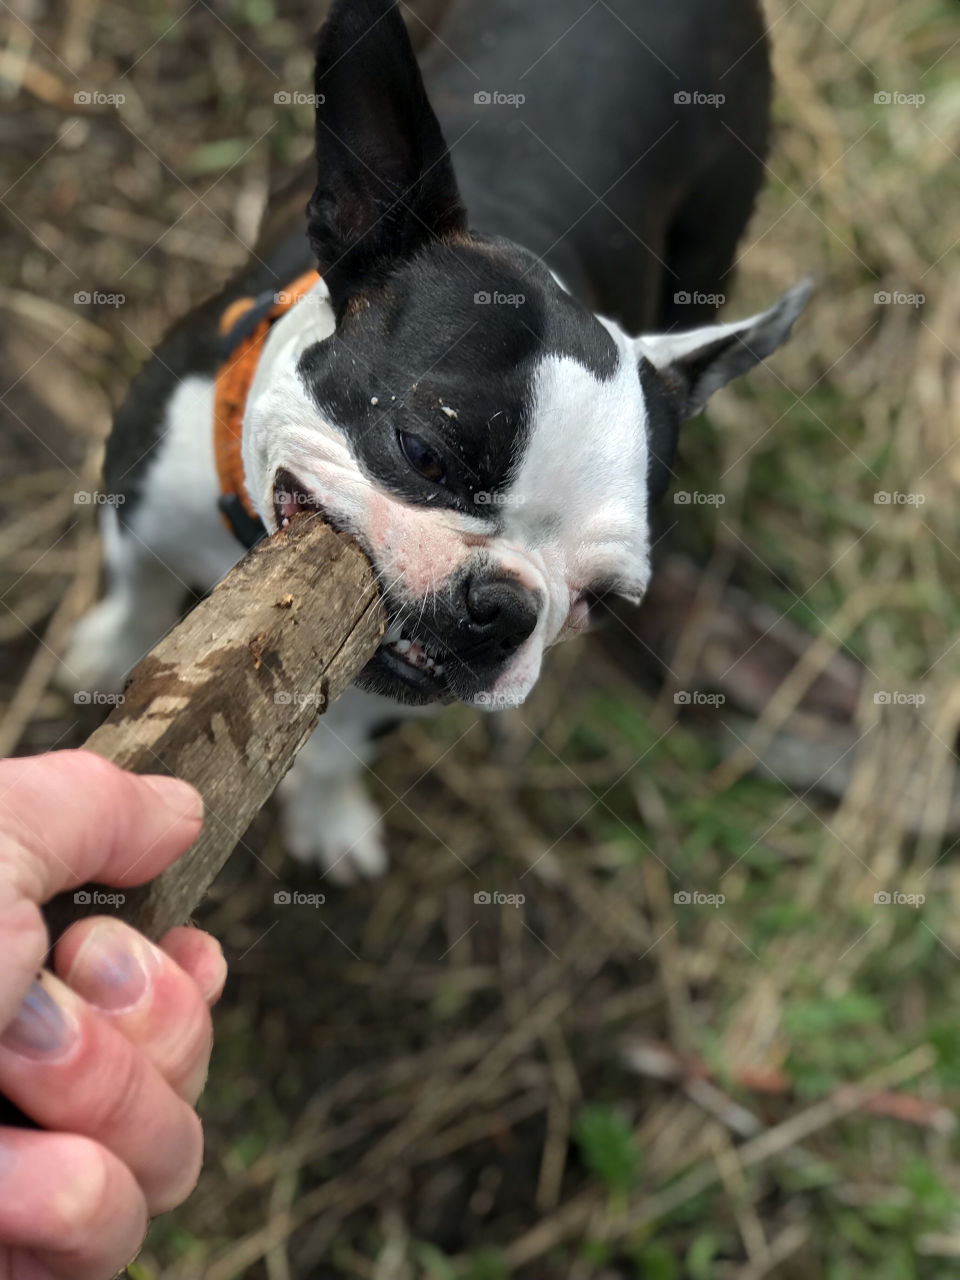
(474, 356)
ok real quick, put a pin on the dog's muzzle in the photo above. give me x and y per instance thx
(458, 642)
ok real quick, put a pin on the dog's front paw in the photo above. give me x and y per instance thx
(333, 823)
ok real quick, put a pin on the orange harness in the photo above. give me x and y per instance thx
(243, 327)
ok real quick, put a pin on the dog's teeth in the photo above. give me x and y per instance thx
(403, 646)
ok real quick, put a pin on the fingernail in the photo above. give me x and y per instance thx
(185, 801)
(40, 1028)
(112, 968)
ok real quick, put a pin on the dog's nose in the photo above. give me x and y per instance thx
(503, 612)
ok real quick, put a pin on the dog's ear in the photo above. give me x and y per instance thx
(385, 182)
(680, 371)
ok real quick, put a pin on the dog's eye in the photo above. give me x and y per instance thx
(421, 457)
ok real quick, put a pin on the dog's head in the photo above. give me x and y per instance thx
(492, 444)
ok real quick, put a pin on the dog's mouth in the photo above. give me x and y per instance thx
(290, 498)
(419, 664)
(408, 666)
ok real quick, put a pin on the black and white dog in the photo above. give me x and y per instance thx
(464, 390)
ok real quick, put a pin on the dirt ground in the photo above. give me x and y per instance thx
(721, 811)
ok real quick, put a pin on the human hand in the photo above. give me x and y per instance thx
(108, 1049)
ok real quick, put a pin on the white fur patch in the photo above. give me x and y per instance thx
(178, 518)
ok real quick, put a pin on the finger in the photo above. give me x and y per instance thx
(64, 1066)
(144, 994)
(201, 956)
(66, 1204)
(68, 817)
(72, 816)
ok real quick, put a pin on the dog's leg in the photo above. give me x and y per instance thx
(328, 816)
(142, 602)
(703, 238)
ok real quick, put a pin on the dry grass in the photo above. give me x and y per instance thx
(605, 1082)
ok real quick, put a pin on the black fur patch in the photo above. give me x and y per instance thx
(448, 349)
(663, 428)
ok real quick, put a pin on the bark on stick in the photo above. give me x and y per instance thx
(227, 699)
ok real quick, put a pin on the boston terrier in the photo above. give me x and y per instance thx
(475, 361)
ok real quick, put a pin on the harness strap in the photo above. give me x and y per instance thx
(244, 326)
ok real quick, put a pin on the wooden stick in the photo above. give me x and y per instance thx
(227, 699)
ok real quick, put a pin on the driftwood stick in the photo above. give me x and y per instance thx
(227, 699)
